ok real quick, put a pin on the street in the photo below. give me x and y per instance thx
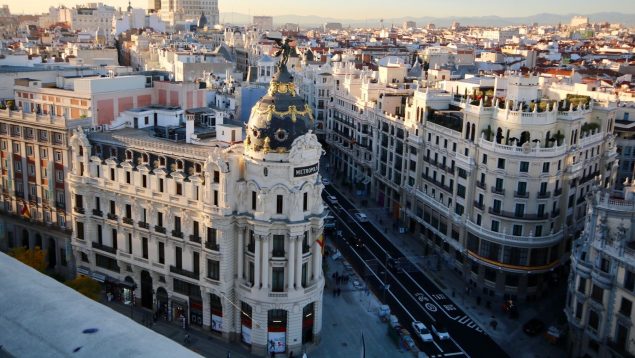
(409, 292)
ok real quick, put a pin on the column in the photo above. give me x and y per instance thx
(207, 314)
(257, 264)
(298, 262)
(317, 260)
(265, 262)
(241, 252)
(291, 263)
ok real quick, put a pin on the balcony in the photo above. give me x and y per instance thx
(79, 210)
(60, 205)
(97, 213)
(479, 205)
(179, 271)
(195, 238)
(143, 225)
(544, 195)
(211, 245)
(177, 233)
(112, 216)
(104, 248)
(128, 221)
(499, 191)
(480, 184)
(278, 254)
(513, 215)
(159, 229)
(521, 194)
(557, 192)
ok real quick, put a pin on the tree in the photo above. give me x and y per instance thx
(32, 257)
(86, 286)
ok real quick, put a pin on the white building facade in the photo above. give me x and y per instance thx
(224, 233)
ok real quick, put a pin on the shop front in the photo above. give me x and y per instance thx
(307, 323)
(178, 311)
(162, 303)
(216, 309)
(277, 331)
(245, 322)
(196, 311)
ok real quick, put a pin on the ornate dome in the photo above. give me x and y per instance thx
(279, 117)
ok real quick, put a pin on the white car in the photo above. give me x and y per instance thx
(325, 181)
(331, 199)
(422, 331)
(361, 217)
(440, 331)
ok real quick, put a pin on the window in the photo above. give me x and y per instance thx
(524, 167)
(629, 280)
(597, 293)
(517, 230)
(253, 200)
(129, 211)
(80, 230)
(279, 201)
(211, 236)
(501, 163)
(278, 246)
(277, 279)
(594, 320)
(161, 185)
(59, 175)
(495, 225)
(582, 285)
(43, 153)
(127, 177)
(545, 167)
(519, 210)
(179, 189)
(130, 244)
(522, 188)
(216, 176)
(213, 269)
(626, 307)
(159, 219)
(177, 224)
(305, 202)
(161, 253)
(112, 174)
(499, 184)
(178, 257)
(144, 247)
(460, 190)
(215, 197)
(113, 207)
(144, 181)
(484, 158)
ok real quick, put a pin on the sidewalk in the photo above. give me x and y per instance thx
(508, 333)
(343, 320)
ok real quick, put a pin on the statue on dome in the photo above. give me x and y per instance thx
(284, 48)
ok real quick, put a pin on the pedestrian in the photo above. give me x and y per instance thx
(291, 354)
(229, 354)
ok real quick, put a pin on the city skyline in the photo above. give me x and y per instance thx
(350, 10)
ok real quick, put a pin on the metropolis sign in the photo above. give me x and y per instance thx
(304, 171)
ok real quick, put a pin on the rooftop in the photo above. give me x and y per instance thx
(66, 323)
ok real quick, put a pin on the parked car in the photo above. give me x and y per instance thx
(441, 331)
(422, 331)
(331, 199)
(361, 217)
(533, 327)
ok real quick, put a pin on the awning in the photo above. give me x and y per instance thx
(83, 271)
(98, 276)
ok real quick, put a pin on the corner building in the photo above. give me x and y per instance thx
(224, 232)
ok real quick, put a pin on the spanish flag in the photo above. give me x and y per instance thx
(26, 214)
(320, 242)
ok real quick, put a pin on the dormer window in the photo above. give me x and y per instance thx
(128, 155)
(145, 158)
(179, 164)
(113, 152)
(162, 161)
(198, 168)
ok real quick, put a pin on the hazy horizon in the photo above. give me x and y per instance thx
(360, 10)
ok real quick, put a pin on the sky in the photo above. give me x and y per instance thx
(368, 9)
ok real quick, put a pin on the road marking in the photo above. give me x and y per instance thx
(380, 280)
(453, 354)
(391, 274)
(430, 307)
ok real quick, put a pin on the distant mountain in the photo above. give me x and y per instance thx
(542, 19)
